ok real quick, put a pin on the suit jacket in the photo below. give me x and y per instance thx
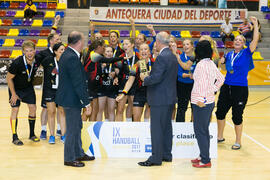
(161, 83)
(72, 88)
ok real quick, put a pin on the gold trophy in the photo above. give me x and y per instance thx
(143, 67)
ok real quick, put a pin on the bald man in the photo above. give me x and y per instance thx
(161, 96)
(73, 96)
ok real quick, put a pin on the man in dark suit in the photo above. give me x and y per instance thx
(72, 95)
(161, 96)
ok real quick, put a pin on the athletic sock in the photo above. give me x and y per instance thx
(44, 127)
(58, 127)
(32, 121)
(128, 119)
(14, 123)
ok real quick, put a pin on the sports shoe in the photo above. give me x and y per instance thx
(58, 133)
(52, 140)
(62, 138)
(43, 135)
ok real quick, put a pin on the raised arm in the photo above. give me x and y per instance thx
(56, 22)
(133, 29)
(255, 40)
(92, 30)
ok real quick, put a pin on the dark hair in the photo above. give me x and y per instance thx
(93, 46)
(28, 2)
(203, 50)
(144, 37)
(115, 33)
(50, 37)
(56, 47)
(73, 38)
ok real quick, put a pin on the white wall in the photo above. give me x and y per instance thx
(63, 1)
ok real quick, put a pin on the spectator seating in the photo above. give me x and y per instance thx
(220, 44)
(9, 43)
(1, 42)
(155, 1)
(179, 44)
(215, 34)
(134, 1)
(24, 32)
(6, 22)
(124, 1)
(45, 32)
(265, 9)
(3, 32)
(173, 1)
(203, 33)
(14, 5)
(124, 33)
(22, 5)
(18, 42)
(137, 32)
(47, 23)
(196, 34)
(60, 13)
(2, 13)
(13, 32)
(27, 23)
(4, 53)
(10, 13)
(145, 1)
(51, 6)
(49, 14)
(34, 32)
(0, 22)
(229, 44)
(17, 22)
(96, 31)
(185, 34)
(42, 43)
(235, 33)
(267, 16)
(257, 55)
(176, 34)
(42, 5)
(4, 5)
(37, 23)
(61, 6)
(15, 54)
(114, 1)
(146, 33)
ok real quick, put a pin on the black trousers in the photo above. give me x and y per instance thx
(28, 13)
(183, 94)
(224, 36)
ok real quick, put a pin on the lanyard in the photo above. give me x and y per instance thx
(114, 53)
(149, 64)
(133, 60)
(27, 71)
(55, 86)
(234, 58)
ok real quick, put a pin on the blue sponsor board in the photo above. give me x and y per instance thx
(148, 148)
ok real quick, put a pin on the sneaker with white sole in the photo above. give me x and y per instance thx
(52, 140)
(43, 135)
(62, 138)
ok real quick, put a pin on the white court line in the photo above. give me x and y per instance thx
(252, 139)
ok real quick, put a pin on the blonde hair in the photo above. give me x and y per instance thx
(213, 46)
(173, 37)
(243, 37)
(28, 43)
